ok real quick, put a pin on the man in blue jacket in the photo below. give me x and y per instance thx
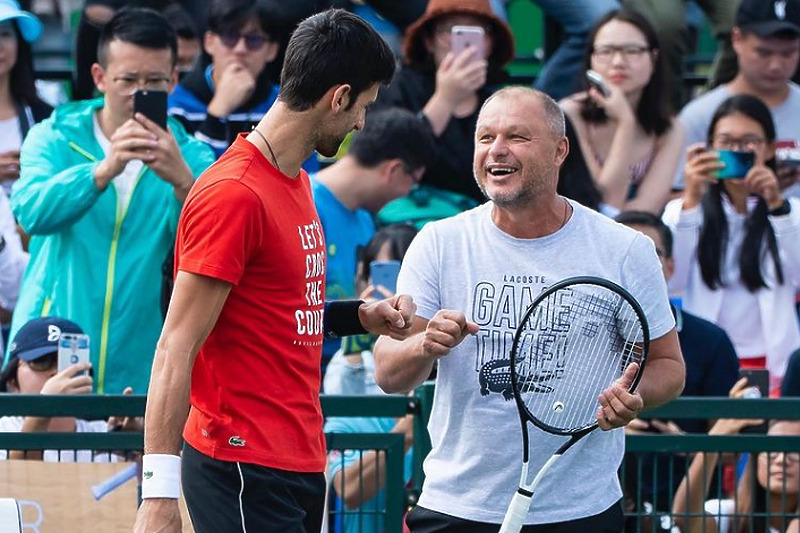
(100, 192)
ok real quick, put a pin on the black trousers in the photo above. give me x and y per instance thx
(421, 520)
(224, 497)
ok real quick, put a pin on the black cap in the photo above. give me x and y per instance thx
(769, 18)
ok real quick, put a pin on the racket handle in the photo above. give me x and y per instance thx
(516, 514)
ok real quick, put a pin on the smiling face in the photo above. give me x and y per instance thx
(622, 56)
(517, 155)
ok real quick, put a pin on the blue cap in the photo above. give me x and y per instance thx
(40, 337)
(29, 24)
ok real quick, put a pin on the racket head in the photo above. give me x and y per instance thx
(575, 339)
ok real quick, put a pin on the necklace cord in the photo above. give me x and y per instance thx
(269, 147)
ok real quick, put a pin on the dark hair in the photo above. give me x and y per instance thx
(574, 178)
(399, 237)
(180, 20)
(714, 231)
(331, 48)
(9, 373)
(142, 27)
(654, 112)
(233, 15)
(21, 78)
(649, 220)
(394, 133)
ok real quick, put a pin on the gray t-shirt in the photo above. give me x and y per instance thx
(696, 118)
(466, 263)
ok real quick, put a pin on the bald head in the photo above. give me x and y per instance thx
(553, 116)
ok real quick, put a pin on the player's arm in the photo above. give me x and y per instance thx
(194, 308)
(402, 365)
(664, 373)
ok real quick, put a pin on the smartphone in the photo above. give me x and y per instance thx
(737, 164)
(596, 81)
(153, 105)
(787, 154)
(384, 273)
(758, 378)
(73, 348)
(463, 37)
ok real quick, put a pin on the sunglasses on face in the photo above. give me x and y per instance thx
(46, 363)
(252, 41)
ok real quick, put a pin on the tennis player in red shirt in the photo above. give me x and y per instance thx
(248, 315)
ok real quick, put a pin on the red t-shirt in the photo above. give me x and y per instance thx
(256, 380)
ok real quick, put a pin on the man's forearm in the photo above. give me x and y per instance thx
(167, 405)
(401, 365)
(662, 381)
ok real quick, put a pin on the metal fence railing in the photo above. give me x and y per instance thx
(652, 460)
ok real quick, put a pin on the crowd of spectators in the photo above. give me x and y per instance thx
(91, 192)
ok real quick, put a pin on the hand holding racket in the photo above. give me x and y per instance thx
(578, 355)
(618, 404)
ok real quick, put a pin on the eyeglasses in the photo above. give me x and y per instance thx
(252, 41)
(46, 363)
(748, 143)
(127, 85)
(629, 52)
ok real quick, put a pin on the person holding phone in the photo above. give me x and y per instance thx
(737, 255)
(100, 193)
(33, 369)
(446, 80)
(628, 136)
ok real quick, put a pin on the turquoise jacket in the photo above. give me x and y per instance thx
(93, 260)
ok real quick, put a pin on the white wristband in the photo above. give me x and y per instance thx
(161, 476)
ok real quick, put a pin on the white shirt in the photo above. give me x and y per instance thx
(124, 182)
(736, 314)
(467, 263)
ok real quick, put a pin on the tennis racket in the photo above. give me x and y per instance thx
(573, 342)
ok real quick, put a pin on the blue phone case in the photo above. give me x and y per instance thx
(384, 273)
(737, 164)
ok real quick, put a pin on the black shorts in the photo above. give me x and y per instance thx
(225, 497)
(421, 520)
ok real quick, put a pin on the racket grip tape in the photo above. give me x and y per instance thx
(517, 512)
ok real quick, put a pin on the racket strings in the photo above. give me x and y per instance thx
(575, 345)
